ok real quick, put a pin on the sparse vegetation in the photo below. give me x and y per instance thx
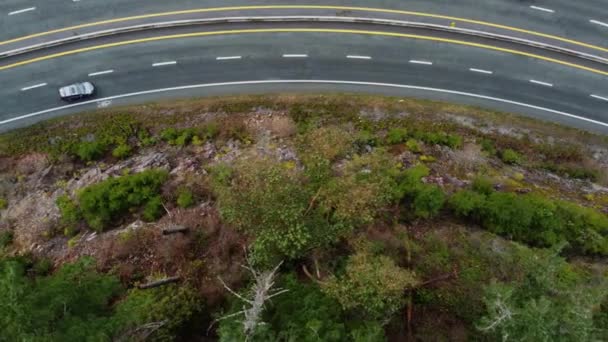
(388, 217)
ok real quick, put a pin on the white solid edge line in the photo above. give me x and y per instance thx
(481, 71)
(390, 85)
(358, 57)
(227, 58)
(548, 10)
(34, 86)
(101, 73)
(597, 22)
(599, 97)
(22, 10)
(164, 63)
(541, 83)
(295, 56)
(413, 61)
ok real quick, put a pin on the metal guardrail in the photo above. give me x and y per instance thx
(332, 19)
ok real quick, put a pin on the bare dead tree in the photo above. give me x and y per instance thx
(262, 290)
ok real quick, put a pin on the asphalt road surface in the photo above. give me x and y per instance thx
(586, 21)
(342, 61)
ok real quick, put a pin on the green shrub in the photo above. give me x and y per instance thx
(510, 157)
(536, 220)
(413, 146)
(210, 131)
(90, 150)
(373, 284)
(106, 201)
(396, 136)
(121, 151)
(196, 141)
(483, 185)
(184, 138)
(467, 204)
(428, 201)
(72, 304)
(3, 203)
(6, 238)
(169, 134)
(303, 313)
(176, 305)
(439, 138)
(70, 214)
(572, 171)
(42, 267)
(185, 198)
(425, 200)
(487, 146)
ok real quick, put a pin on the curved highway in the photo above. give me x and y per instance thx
(580, 26)
(261, 57)
(351, 60)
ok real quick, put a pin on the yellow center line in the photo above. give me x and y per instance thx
(293, 30)
(310, 7)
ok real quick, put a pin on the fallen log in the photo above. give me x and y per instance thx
(158, 283)
(174, 229)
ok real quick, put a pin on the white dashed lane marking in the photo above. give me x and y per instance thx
(295, 56)
(599, 97)
(481, 71)
(225, 58)
(33, 87)
(164, 63)
(597, 22)
(358, 57)
(414, 61)
(543, 9)
(22, 10)
(541, 83)
(101, 73)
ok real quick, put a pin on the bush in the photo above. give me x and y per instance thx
(483, 185)
(6, 238)
(303, 313)
(169, 134)
(268, 201)
(425, 200)
(467, 204)
(70, 213)
(3, 203)
(487, 146)
(70, 305)
(153, 209)
(396, 136)
(428, 201)
(176, 305)
(413, 146)
(90, 150)
(439, 138)
(510, 157)
(372, 285)
(121, 151)
(572, 171)
(106, 201)
(536, 220)
(185, 198)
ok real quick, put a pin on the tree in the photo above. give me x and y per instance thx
(70, 305)
(371, 283)
(261, 292)
(306, 314)
(552, 303)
